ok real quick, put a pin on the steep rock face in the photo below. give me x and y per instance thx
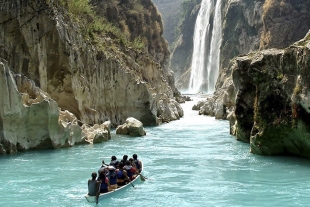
(272, 102)
(182, 50)
(244, 30)
(242, 27)
(95, 83)
(170, 10)
(261, 24)
(29, 118)
(138, 19)
(279, 17)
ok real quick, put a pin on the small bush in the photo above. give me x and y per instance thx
(76, 7)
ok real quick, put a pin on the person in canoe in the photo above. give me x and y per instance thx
(104, 182)
(114, 162)
(125, 158)
(129, 171)
(112, 178)
(103, 167)
(93, 186)
(132, 163)
(137, 162)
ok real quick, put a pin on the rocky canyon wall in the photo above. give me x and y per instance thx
(264, 94)
(246, 26)
(93, 83)
(268, 109)
(272, 101)
(85, 68)
(182, 49)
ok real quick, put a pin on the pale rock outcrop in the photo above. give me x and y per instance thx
(197, 106)
(169, 110)
(132, 127)
(97, 133)
(30, 119)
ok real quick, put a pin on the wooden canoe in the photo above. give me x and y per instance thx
(92, 199)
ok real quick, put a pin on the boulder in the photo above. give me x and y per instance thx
(97, 133)
(132, 127)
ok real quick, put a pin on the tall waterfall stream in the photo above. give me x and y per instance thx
(206, 51)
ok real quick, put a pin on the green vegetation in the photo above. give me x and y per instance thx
(94, 27)
(280, 76)
(76, 7)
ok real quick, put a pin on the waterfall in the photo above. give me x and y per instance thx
(206, 50)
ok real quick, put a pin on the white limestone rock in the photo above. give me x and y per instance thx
(132, 127)
(97, 133)
(30, 119)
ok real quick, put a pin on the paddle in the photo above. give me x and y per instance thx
(130, 181)
(142, 178)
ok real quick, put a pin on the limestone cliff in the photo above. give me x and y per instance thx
(87, 71)
(245, 25)
(171, 11)
(183, 47)
(242, 27)
(284, 22)
(272, 102)
(30, 119)
(265, 93)
(96, 69)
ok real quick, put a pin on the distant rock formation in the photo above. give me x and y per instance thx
(247, 26)
(181, 53)
(170, 10)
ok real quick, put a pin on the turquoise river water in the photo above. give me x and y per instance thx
(190, 162)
